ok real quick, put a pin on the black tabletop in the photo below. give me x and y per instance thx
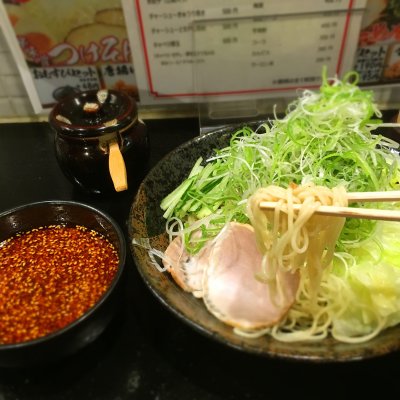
(146, 352)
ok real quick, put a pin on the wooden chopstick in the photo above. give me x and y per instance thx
(392, 195)
(348, 212)
(354, 212)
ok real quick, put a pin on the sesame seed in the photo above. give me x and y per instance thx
(49, 277)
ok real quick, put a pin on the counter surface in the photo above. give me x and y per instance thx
(146, 352)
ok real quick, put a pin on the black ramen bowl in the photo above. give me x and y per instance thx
(86, 328)
(146, 221)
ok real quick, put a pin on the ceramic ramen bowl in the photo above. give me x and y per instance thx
(146, 221)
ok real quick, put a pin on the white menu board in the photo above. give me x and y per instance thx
(194, 51)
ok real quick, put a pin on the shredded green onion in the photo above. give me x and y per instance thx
(325, 137)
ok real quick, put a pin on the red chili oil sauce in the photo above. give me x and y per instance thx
(49, 277)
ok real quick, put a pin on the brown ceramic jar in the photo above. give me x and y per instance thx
(100, 143)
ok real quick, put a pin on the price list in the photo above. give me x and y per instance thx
(186, 50)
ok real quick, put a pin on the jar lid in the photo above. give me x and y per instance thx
(93, 113)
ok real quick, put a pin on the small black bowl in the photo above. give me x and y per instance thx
(92, 323)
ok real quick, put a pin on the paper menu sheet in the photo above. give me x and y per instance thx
(76, 46)
(191, 51)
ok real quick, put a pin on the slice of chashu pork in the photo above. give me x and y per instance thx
(186, 270)
(224, 274)
(231, 291)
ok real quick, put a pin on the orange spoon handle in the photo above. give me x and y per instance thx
(116, 166)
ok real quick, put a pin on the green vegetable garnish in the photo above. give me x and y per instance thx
(325, 137)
